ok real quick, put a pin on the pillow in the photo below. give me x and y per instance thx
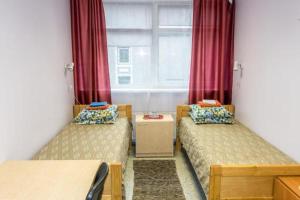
(210, 115)
(107, 116)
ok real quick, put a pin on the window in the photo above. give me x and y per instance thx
(149, 43)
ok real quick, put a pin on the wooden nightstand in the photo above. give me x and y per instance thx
(287, 188)
(154, 137)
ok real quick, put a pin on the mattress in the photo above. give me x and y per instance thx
(104, 142)
(210, 144)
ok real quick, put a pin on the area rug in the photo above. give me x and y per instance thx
(156, 180)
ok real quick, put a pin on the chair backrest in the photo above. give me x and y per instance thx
(96, 189)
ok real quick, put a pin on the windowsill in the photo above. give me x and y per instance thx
(155, 90)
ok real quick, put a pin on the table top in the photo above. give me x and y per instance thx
(166, 118)
(47, 180)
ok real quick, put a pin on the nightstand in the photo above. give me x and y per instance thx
(287, 188)
(154, 137)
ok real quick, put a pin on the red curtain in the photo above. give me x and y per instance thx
(212, 51)
(89, 47)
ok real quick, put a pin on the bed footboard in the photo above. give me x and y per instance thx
(113, 183)
(245, 182)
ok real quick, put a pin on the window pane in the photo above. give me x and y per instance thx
(123, 55)
(174, 59)
(124, 80)
(175, 15)
(128, 15)
(142, 69)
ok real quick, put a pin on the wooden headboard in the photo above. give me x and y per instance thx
(183, 111)
(124, 110)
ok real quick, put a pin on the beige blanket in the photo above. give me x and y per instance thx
(225, 144)
(105, 142)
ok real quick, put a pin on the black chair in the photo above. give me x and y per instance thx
(96, 189)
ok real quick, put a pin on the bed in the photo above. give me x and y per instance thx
(230, 161)
(104, 142)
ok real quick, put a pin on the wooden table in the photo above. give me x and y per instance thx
(46, 180)
(154, 137)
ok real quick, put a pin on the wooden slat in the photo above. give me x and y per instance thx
(292, 182)
(255, 170)
(214, 188)
(254, 187)
(116, 181)
(107, 185)
(282, 191)
(106, 197)
(113, 183)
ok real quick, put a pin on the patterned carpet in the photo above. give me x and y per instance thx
(156, 179)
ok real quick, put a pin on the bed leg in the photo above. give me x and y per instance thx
(178, 145)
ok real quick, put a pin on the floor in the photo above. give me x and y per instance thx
(188, 180)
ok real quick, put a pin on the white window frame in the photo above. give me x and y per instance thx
(156, 31)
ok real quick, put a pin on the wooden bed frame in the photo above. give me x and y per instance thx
(241, 182)
(113, 183)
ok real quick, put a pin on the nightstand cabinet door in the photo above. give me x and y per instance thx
(154, 139)
(287, 188)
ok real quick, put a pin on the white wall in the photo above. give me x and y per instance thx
(35, 100)
(267, 97)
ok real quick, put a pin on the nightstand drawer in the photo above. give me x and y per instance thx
(287, 188)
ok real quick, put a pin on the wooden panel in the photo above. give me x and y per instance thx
(116, 181)
(246, 187)
(214, 188)
(247, 181)
(106, 197)
(123, 109)
(113, 186)
(293, 182)
(255, 170)
(282, 192)
(107, 185)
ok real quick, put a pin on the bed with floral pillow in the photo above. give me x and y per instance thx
(93, 135)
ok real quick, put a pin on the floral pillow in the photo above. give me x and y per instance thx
(210, 115)
(107, 116)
